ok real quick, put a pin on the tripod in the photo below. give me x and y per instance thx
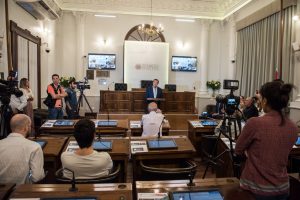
(80, 102)
(226, 130)
(6, 114)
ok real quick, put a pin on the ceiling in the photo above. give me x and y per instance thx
(207, 9)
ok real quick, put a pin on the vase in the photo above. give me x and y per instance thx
(213, 93)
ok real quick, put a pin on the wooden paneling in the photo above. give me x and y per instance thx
(134, 101)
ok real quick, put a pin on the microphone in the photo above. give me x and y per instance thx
(73, 188)
(159, 132)
(110, 85)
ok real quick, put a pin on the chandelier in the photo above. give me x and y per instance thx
(150, 29)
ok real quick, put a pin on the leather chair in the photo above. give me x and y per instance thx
(168, 170)
(120, 86)
(113, 177)
(170, 87)
(146, 83)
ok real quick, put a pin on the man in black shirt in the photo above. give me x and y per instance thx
(250, 109)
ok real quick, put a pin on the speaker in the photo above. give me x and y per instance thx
(170, 87)
(120, 86)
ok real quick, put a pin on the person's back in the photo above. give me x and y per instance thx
(95, 165)
(85, 162)
(152, 122)
(267, 142)
(21, 160)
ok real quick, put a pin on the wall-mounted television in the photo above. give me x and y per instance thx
(101, 61)
(184, 63)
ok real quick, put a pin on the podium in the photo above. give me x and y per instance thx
(156, 100)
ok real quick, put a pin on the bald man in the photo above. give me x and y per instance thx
(152, 121)
(21, 160)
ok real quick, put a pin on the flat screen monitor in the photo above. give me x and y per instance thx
(102, 61)
(195, 195)
(209, 123)
(231, 101)
(70, 198)
(184, 63)
(157, 144)
(64, 123)
(105, 123)
(298, 141)
(102, 145)
(41, 142)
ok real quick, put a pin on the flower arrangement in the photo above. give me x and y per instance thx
(64, 81)
(214, 85)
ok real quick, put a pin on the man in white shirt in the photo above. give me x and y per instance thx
(18, 103)
(21, 160)
(85, 162)
(152, 122)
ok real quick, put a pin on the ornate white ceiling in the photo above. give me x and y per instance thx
(210, 9)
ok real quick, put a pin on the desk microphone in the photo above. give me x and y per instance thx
(73, 182)
(110, 85)
(160, 127)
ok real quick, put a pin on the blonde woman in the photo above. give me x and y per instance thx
(28, 110)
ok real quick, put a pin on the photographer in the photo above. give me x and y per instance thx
(71, 100)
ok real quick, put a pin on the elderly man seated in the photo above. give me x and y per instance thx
(152, 122)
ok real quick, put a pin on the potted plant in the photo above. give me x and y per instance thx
(64, 81)
(214, 85)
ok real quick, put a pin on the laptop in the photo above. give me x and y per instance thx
(64, 123)
(211, 194)
(157, 144)
(102, 145)
(41, 142)
(105, 123)
(298, 141)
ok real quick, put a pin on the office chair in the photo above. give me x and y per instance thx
(146, 83)
(168, 170)
(120, 86)
(112, 177)
(170, 87)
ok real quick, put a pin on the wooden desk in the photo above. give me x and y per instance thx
(5, 190)
(195, 133)
(229, 187)
(135, 101)
(185, 150)
(100, 191)
(52, 152)
(137, 131)
(120, 152)
(119, 130)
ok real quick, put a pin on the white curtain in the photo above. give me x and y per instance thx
(33, 71)
(22, 58)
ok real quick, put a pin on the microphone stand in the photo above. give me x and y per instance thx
(160, 127)
(73, 188)
(110, 85)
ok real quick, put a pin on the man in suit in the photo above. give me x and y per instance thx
(154, 92)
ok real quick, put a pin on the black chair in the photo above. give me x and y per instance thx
(120, 86)
(170, 87)
(168, 170)
(146, 83)
(113, 177)
(209, 151)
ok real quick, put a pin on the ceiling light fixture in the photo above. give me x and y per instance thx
(185, 20)
(150, 29)
(105, 16)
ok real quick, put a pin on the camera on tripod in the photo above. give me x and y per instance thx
(9, 87)
(229, 101)
(82, 85)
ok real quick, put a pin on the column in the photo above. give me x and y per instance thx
(80, 22)
(231, 73)
(203, 58)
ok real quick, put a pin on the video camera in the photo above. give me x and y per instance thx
(229, 101)
(9, 87)
(82, 85)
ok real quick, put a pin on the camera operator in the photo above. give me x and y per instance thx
(71, 100)
(18, 100)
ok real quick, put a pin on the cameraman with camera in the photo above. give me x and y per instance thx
(54, 99)
(71, 100)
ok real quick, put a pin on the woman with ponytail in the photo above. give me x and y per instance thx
(267, 142)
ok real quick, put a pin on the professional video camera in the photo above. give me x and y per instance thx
(229, 101)
(9, 87)
(82, 85)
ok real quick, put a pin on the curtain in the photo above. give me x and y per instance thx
(22, 58)
(258, 52)
(33, 77)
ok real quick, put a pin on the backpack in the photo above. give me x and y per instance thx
(49, 102)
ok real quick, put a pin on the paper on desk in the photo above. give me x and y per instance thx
(135, 124)
(153, 196)
(138, 146)
(196, 124)
(72, 146)
(49, 123)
